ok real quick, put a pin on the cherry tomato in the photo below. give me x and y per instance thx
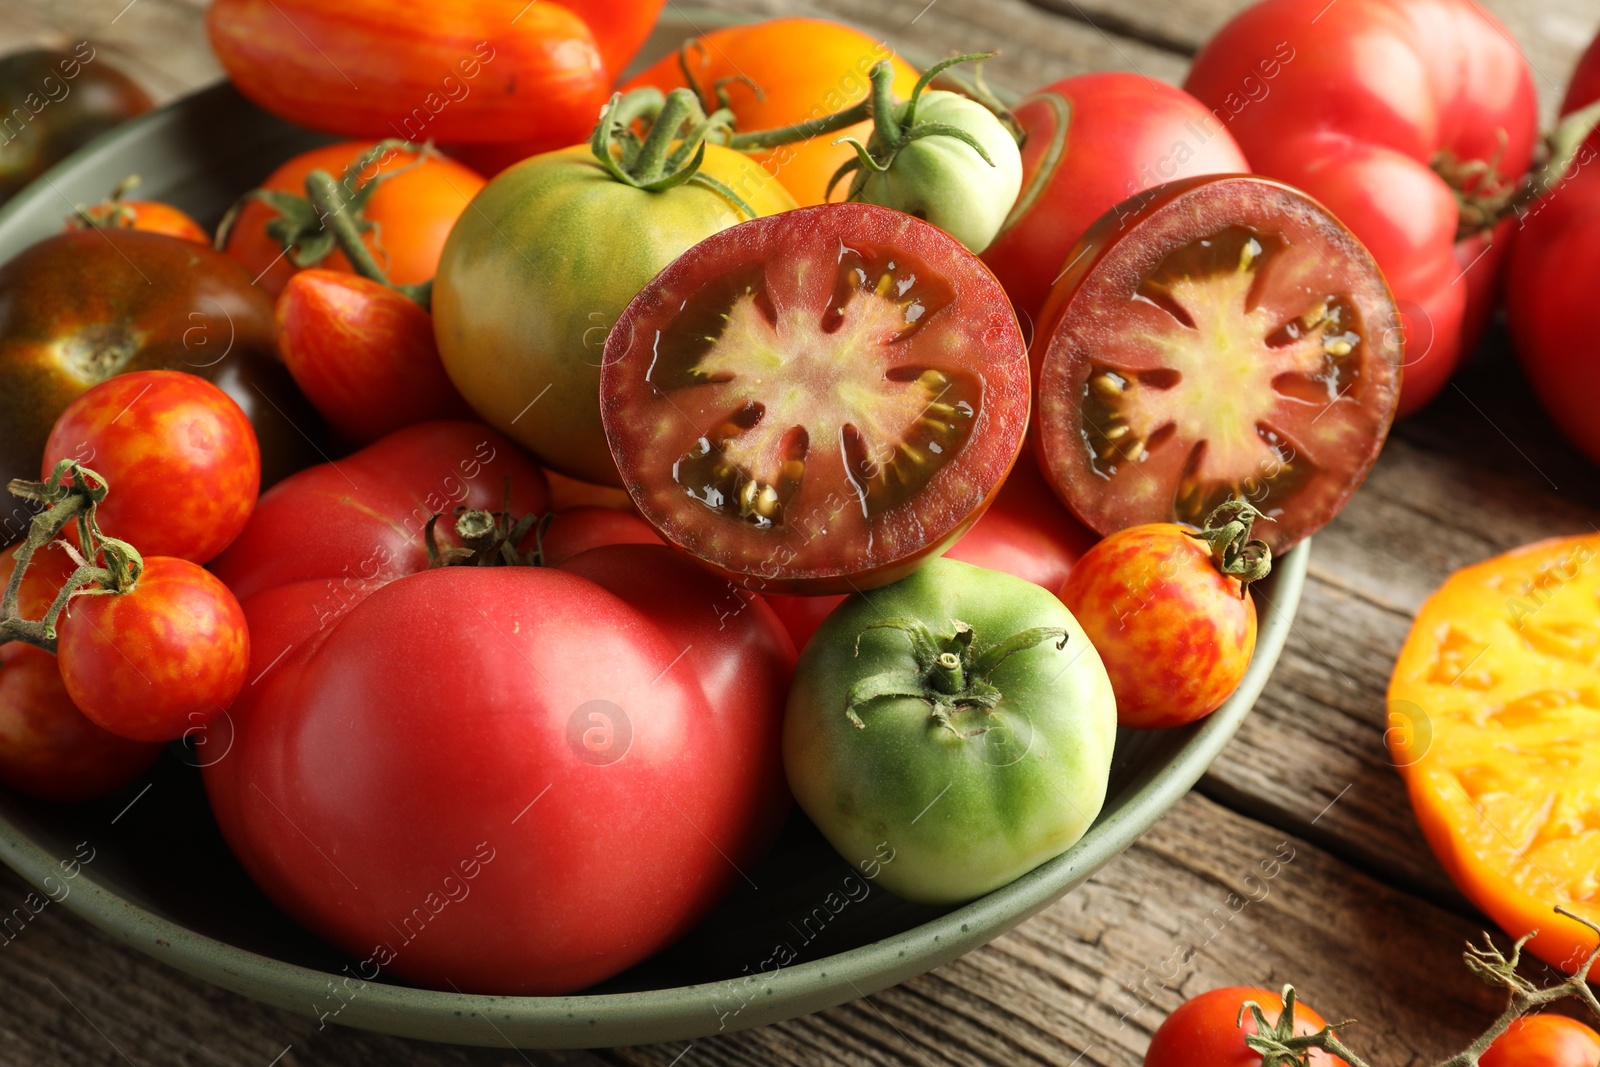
(412, 211)
(456, 70)
(167, 656)
(363, 354)
(1175, 633)
(1544, 1041)
(1217, 337)
(1206, 1031)
(802, 69)
(1553, 263)
(1363, 105)
(178, 455)
(152, 216)
(816, 401)
(48, 748)
(575, 530)
(1094, 140)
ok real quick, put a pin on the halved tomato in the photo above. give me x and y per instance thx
(1216, 337)
(819, 400)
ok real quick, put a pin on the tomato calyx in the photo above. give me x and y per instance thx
(671, 152)
(111, 213)
(488, 539)
(1485, 197)
(1281, 1047)
(952, 672)
(1233, 550)
(71, 497)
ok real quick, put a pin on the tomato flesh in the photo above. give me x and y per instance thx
(1218, 337)
(818, 399)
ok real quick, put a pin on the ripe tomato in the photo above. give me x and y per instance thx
(458, 70)
(570, 493)
(1553, 262)
(412, 211)
(70, 98)
(152, 216)
(620, 27)
(802, 69)
(1094, 140)
(578, 529)
(48, 749)
(178, 455)
(818, 401)
(1175, 633)
(363, 354)
(1358, 104)
(930, 745)
(1184, 362)
(78, 308)
(1497, 677)
(537, 272)
(167, 655)
(1544, 1041)
(1206, 1031)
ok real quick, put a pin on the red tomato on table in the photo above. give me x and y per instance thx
(1353, 103)
(1206, 1031)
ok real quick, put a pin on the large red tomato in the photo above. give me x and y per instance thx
(1357, 103)
(1093, 140)
(1554, 265)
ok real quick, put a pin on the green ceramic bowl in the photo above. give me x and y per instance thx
(163, 881)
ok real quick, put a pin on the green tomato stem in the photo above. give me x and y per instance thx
(947, 675)
(333, 209)
(680, 106)
(802, 131)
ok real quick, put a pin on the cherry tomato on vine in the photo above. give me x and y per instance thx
(817, 401)
(363, 354)
(178, 455)
(1544, 1041)
(802, 69)
(1206, 1031)
(1217, 337)
(412, 211)
(1094, 140)
(48, 748)
(162, 658)
(1383, 110)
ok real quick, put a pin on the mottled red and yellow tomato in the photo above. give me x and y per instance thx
(1216, 337)
(165, 657)
(48, 748)
(178, 456)
(816, 401)
(1174, 632)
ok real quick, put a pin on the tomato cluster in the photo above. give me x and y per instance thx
(743, 378)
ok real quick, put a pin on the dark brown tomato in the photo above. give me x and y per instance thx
(53, 102)
(78, 308)
(1216, 337)
(816, 401)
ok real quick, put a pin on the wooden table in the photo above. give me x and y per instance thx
(1361, 918)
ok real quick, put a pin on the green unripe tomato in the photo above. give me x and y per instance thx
(538, 268)
(934, 756)
(941, 179)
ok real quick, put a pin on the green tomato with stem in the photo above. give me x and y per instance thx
(941, 177)
(958, 721)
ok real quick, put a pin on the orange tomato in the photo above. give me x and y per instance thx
(1544, 1041)
(801, 69)
(413, 210)
(149, 215)
(1494, 722)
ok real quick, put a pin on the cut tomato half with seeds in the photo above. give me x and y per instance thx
(1213, 338)
(819, 400)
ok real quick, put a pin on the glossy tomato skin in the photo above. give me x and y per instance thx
(620, 27)
(48, 748)
(471, 794)
(1370, 93)
(461, 70)
(165, 656)
(413, 209)
(1093, 140)
(830, 343)
(1544, 1040)
(1554, 259)
(362, 519)
(363, 354)
(527, 290)
(178, 455)
(805, 68)
(952, 810)
(71, 97)
(1174, 632)
(151, 216)
(1205, 1031)
(78, 308)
